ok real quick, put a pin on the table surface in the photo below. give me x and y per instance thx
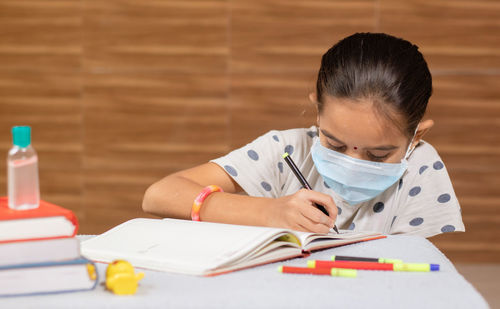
(265, 287)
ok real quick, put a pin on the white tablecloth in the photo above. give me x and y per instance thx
(264, 287)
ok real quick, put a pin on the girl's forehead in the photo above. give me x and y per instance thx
(358, 122)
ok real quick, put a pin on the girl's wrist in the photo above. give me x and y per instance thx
(268, 212)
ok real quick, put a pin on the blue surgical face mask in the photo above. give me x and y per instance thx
(353, 179)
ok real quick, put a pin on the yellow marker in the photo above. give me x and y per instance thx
(121, 279)
(416, 267)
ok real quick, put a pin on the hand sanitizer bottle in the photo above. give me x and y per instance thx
(22, 171)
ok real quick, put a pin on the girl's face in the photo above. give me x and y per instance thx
(359, 131)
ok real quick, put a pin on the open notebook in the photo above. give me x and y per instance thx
(206, 248)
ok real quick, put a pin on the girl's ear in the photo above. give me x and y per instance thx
(313, 97)
(423, 128)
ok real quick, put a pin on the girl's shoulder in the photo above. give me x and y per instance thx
(425, 162)
(423, 155)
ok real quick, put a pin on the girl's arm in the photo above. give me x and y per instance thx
(173, 197)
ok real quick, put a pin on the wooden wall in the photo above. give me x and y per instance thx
(122, 93)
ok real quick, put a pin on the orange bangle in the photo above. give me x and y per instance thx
(195, 210)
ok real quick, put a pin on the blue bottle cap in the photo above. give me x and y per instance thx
(21, 136)
(434, 267)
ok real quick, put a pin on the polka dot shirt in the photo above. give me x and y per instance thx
(422, 202)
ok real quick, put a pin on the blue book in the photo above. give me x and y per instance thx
(48, 278)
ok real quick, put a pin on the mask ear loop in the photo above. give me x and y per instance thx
(410, 151)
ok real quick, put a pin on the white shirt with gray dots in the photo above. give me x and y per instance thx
(422, 202)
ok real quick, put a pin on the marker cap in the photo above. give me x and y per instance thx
(390, 261)
(343, 272)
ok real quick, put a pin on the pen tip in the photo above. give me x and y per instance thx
(285, 155)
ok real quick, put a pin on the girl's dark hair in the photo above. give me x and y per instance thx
(388, 70)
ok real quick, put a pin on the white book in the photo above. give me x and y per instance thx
(39, 251)
(46, 278)
(206, 248)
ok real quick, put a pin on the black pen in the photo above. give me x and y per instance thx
(304, 183)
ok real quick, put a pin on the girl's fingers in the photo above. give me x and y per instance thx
(313, 214)
(321, 199)
(327, 202)
(312, 227)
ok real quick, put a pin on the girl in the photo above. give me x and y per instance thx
(365, 160)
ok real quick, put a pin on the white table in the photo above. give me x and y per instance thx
(264, 287)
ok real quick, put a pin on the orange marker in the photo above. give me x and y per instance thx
(336, 272)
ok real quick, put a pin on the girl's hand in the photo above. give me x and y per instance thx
(297, 212)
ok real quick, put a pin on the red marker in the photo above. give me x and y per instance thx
(372, 265)
(318, 271)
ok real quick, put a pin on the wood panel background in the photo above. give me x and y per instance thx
(122, 93)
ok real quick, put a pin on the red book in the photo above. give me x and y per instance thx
(48, 221)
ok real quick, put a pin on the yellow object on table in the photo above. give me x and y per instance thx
(121, 279)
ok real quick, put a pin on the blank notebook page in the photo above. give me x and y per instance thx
(177, 245)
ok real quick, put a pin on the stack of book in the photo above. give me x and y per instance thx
(39, 253)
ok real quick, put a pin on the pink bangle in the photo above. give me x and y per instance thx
(195, 210)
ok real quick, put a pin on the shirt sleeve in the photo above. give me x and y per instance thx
(258, 166)
(427, 202)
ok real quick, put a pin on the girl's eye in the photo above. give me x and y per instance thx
(377, 158)
(337, 148)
